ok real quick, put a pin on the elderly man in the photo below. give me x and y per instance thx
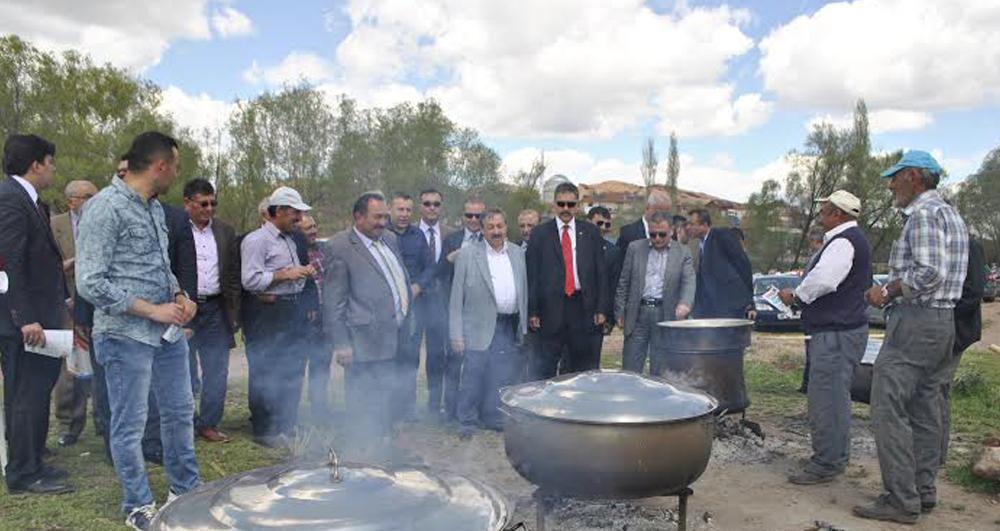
(34, 302)
(927, 267)
(432, 307)
(368, 303)
(71, 392)
(568, 290)
(218, 286)
(834, 314)
(527, 220)
(725, 278)
(657, 201)
(318, 356)
(123, 270)
(271, 271)
(657, 284)
(420, 266)
(489, 316)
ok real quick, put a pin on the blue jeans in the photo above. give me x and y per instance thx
(130, 368)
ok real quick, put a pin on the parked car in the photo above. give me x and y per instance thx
(768, 316)
(876, 316)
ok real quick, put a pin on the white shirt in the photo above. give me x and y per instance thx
(469, 237)
(28, 187)
(426, 229)
(572, 239)
(502, 275)
(832, 268)
(207, 253)
(645, 226)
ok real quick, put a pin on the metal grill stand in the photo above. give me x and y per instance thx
(545, 501)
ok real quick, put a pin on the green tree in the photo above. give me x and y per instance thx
(767, 238)
(978, 200)
(649, 163)
(673, 169)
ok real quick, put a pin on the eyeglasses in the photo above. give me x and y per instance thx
(435, 204)
(206, 203)
(659, 235)
(603, 224)
(470, 215)
(85, 197)
(566, 204)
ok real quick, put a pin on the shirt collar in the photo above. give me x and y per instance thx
(572, 225)
(491, 251)
(665, 249)
(364, 239)
(195, 227)
(120, 185)
(838, 229)
(28, 187)
(424, 226)
(272, 229)
(926, 197)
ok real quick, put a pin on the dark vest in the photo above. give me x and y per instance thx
(844, 308)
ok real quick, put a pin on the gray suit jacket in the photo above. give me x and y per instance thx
(473, 308)
(358, 307)
(62, 229)
(678, 282)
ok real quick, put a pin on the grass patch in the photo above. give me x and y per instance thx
(975, 415)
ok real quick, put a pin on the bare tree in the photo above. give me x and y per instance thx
(649, 163)
(673, 169)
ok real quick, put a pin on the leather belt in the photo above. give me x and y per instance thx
(651, 302)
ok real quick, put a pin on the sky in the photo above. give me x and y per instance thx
(585, 81)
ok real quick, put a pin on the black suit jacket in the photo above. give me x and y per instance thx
(180, 248)
(968, 309)
(546, 275)
(630, 233)
(725, 279)
(37, 291)
(446, 269)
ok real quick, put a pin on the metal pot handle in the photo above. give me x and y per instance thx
(515, 527)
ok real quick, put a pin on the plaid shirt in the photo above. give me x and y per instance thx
(931, 254)
(316, 257)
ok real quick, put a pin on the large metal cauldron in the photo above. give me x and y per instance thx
(608, 435)
(338, 497)
(707, 354)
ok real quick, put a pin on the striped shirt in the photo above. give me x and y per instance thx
(931, 255)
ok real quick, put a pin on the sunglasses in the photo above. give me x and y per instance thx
(659, 234)
(565, 204)
(206, 203)
(604, 224)
(470, 215)
(435, 204)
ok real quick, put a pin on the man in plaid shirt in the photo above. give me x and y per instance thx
(927, 267)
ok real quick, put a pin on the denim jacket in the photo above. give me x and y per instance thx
(121, 256)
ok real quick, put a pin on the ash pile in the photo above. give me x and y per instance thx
(647, 515)
(741, 441)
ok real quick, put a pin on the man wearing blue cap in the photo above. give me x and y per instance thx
(927, 268)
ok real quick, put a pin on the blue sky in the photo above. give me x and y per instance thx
(586, 82)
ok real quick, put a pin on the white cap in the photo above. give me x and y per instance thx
(285, 196)
(845, 201)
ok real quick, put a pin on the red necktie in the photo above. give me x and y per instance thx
(567, 253)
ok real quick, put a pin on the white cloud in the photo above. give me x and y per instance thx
(880, 121)
(295, 67)
(127, 33)
(907, 55)
(196, 112)
(717, 177)
(228, 22)
(586, 70)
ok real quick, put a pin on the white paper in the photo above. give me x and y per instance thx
(771, 296)
(4, 283)
(58, 344)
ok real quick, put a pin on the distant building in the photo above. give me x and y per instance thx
(549, 187)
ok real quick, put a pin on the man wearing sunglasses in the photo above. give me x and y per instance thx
(431, 305)
(657, 284)
(472, 232)
(219, 293)
(568, 288)
(658, 201)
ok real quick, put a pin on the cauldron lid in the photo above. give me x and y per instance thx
(609, 397)
(369, 498)
(707, 323)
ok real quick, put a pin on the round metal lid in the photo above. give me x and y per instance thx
(361, 498)
(609, 397)
(707, 323)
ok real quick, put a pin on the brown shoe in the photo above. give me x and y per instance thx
(213, 435)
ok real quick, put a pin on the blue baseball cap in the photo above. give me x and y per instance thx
(914, 159)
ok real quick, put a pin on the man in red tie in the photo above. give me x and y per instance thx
(568, 288)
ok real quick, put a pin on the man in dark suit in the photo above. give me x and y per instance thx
(568, 294)
(613, 259)
(725, 279)
(35, 301)
(218, 294)
(472, 232)
(432, 308)
(657, 201)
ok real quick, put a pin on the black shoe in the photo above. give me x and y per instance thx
(43, 485)
(927, 504)
(67, 439)
(54, 473)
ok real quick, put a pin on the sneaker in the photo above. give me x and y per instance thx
(807, 477)
(884, 510)
(141, 517)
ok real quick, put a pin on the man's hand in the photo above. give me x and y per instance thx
(188, 333)
(874, 296)
(167, 313)
(293, 273)
(415, 288)
(621, 323)
(534, 323)
(752, 315)
(343, 356)
(599, 319)
(452, 256)
(458, 346)
(187, 305)
(787, 296)
(34, 335)
(69, 265)
(681, 312)
(311, 316)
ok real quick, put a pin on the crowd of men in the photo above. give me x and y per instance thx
(157, 293)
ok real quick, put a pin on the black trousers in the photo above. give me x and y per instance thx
(277, 362)
(433, 322)
(28, 380)
(576, 335)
